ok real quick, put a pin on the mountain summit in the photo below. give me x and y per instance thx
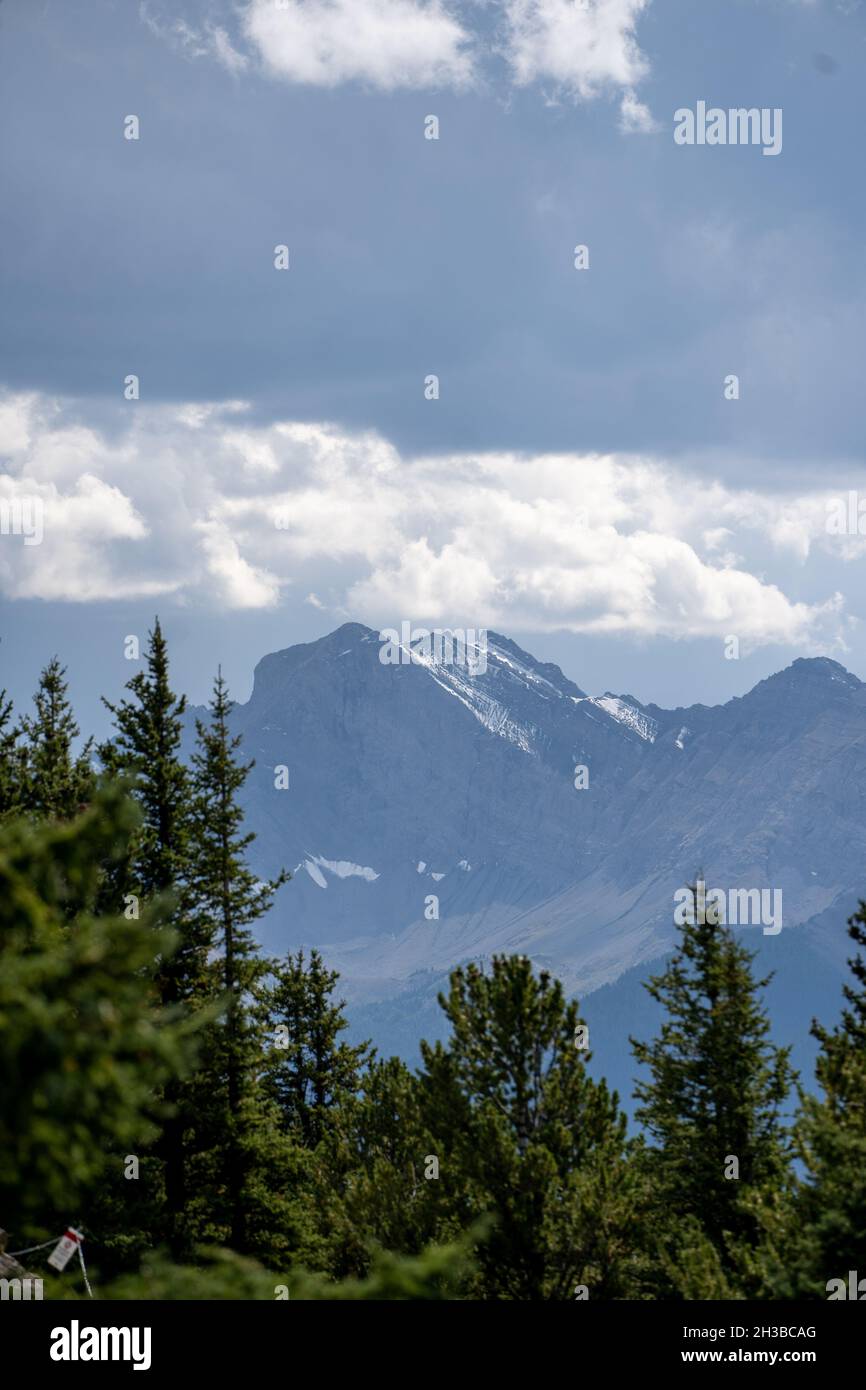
(433, 815)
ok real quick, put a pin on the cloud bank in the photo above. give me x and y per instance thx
(578, 48)
(203, 504)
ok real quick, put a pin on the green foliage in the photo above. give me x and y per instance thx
(82, 1047)
(692, 1264)
(146, 754)
(13, 763)
(499, 1170)
(523, 1133)
(222, 1274)
(827, 1232)
(210, 1273)
(715, 1093)
(438, 1273)
(232, 1111)
(58, 783)
(310, 1072)
(222, 885)
(374, 1186)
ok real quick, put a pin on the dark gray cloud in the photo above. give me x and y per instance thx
(453, 257)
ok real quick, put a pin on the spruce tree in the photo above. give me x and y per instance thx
(843, 1050)
(59, 781)
(712, 1105)
(229, 896)
(828, 1220)
(146, 753)
(83, 1051)
(310, 1072)
(13, 765)
(524, 1134)
(376, 1174)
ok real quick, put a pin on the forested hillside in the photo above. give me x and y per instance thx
(189, 1102)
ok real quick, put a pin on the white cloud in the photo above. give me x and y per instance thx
(178, 499)
(79, 531)
(385, 43)
(225, 52)
(15, 424)
(580, 48)
(583, 47)
(211, 41)
(635, 118)
(236, 582)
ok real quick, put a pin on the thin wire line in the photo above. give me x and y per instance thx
(31, 1248)
(53, 1241)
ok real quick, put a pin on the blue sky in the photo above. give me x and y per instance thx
(581, 483)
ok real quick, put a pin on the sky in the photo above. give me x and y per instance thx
(583, 474)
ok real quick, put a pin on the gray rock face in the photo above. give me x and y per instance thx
(417, 782)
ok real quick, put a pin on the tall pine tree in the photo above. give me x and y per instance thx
(310, 1071)
(146, 753)
(375, 1183)
(229, 896)
(828, 1226)
(523, 1133)
(712, 1104)
(13, 765)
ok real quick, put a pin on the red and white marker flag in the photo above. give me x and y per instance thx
(65, 1248)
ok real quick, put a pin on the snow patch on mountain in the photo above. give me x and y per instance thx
(489, 712)
(340, 868)
(627, 714)
(531, 679)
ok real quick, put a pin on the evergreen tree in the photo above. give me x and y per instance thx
(523, 1133)
(827, 1233)
(377, 1180)
(59, 782)
(230, 897)
(13, 766)
(711, 1107)
(146, 753)
(434, 1274)
(82, 1049)
(310, 1072)
(841, 1063)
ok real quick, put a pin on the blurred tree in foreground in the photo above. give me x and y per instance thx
(83, 1047)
